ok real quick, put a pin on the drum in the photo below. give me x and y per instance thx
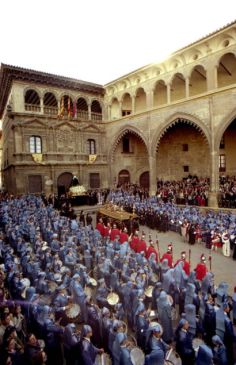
(93, 282)
(172, 358)
(154, 279)
(132, 340)
(72, 312)
(196, 343)
(52, 286)
(137, 356)
(103, 359)
(44, 299)
(113, 298)
(148, 291)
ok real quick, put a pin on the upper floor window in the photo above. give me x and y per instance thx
(32, 101)
(35, 144)
(222, 163)
(96, 110)
(91, 147)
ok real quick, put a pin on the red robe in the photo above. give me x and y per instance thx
(186, 266)
(169, 257)
(151, 250)
(123, 237)
(134, 242)
(141, 246)
(114, 232)
(201, 271)
(106, 231)
(100, 228)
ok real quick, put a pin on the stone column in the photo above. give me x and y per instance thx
(187, 87)
(168, 93)
(214, 180)
(41, 106)
(133, 105)
(149, 100)
(120, 111)
(152, 175)
(89, 111)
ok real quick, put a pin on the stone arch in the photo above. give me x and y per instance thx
(34, 88)
(123, 177)
(182, 148)
(121, 133)
(177, 87)
(144, 180)
(226, 69)
(197, 80)
(96, 110)
(176, 118)
(63, 182)
(32, 100)
(140, 99)
(159, 93)
(223, 126)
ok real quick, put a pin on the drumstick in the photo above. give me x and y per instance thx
(102, 360)
(169, 353)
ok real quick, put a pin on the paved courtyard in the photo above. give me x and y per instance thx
(223, 267)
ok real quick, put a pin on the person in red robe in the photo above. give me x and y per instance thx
(114, 232)
(100, 226)
(168, 255)
(141, 245)
(201, 268)
(134, 241)
(124, 236)
(107, 230)
(186, 266)
(151, 250)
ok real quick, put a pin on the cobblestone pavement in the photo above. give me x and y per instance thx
(224, 268)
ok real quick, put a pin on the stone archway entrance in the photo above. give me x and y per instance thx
(64, 182)
(124, 177)
(182, 150)
(144, 180)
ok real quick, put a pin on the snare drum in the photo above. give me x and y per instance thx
(172, 358)
(196, 343)
(72, 312)
(103, 359)
(137, 356)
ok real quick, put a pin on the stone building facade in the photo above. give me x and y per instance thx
(165, 120)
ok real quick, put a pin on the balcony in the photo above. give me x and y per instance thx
(32, 108)
(82, 114)
(96, 117)
(49, 110)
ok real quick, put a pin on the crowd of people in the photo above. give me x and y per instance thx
(71, 292)
(215, 229)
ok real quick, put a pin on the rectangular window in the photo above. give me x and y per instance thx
(186, 168)
(185, 147)
(94, 180)
(222, 163)
(126, 112)
(91, 147)
(126, 148)
(35, 144)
